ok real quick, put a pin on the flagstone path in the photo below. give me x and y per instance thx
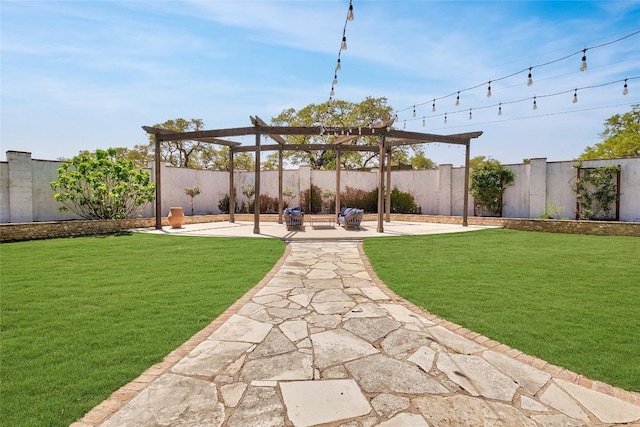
(322, 342)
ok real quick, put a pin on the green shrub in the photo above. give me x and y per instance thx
(311, 200)
(488, 182)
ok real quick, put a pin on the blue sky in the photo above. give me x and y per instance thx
(87, 74)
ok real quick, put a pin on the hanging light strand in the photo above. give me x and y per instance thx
(527, 70)
(534, 99)
(343, 47)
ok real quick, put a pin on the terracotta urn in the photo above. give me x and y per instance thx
(176, 217)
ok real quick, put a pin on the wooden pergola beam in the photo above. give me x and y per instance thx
(388, 138)
(418, 138)
(306, 147)
(257, 121)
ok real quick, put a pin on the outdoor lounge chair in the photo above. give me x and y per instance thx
(293, 217)
(350, 217)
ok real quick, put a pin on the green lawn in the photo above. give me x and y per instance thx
(571, 300)
(82, 317)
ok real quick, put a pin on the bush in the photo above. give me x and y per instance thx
(102, 186)
(357, 198)
(311, 200)
(488, 182)
(402, 202)
(223, 205)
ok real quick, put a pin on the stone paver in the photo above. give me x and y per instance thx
(322, 342)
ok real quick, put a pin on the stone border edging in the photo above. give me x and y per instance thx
(127, 392)
(553, 370)
(15, 232)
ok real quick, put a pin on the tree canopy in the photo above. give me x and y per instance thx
(338, 113)
(102, 186)
(621, 137)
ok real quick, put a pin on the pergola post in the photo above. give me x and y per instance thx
(256, 193)
(337, 182)
(380, 228)
(232, 188)
(465, 212)
(156, 142)
(280, 205)
(388, 187)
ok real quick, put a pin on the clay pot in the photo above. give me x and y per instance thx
(176, 217)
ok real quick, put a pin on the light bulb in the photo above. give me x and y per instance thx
(338, 67)
(445, 118)
(583, 67)
(575, 96)
(344, 43)
(350, 14)
(500, 109)
(529, 78)
(414, 111)
(423, 122)
(433, 107)
(404, 125)
(535, 104)
(470, 116)
(335, 79)
(332, 91)
(489, 90)
(458, 99)
(625, 90)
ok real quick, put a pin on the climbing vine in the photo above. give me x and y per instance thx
(596, 191)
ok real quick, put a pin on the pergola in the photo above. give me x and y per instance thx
(388, 139)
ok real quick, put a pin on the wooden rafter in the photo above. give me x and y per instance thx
(388, 138)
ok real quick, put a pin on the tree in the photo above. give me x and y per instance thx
(218, 159)
(182, 154)
(420, 161)
(476, 161)
(335, 113)
(102, 186)
(621, 137)
(139, 159)
(488, 181)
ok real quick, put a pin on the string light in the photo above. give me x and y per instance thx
(433, 107)
(423, 121)
(583, 66)
(625, 89)
(529, 99)
(404, 125)
(529, 69)
(414, 111)
(343, 46)
(489, 90)
(470, 116)
(575, 96)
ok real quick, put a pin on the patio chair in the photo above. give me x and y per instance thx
(293, 217)
(350, 217)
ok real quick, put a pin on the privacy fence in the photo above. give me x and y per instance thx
(541, 188)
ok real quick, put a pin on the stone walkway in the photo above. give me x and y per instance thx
(322, 342)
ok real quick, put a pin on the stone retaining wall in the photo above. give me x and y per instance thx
(56, 229)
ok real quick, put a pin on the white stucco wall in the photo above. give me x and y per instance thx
(26, 195)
